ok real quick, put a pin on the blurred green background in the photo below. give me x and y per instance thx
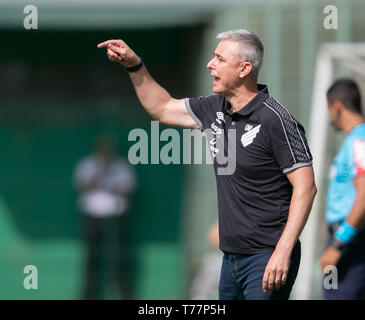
(58, 92)
(69, 94)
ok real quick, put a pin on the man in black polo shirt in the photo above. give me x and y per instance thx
(265, 180)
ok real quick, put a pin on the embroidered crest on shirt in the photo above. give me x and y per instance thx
(248, 137)
(359, 155)
(220, 117)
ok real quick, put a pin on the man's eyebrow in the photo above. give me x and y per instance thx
(218, 55)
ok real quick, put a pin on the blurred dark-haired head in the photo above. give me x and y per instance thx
(104, 146)
(343, 98)
(347, 92)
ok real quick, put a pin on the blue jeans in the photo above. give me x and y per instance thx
(241, 276)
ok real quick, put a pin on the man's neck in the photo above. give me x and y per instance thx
(350, 124)
(242, 96)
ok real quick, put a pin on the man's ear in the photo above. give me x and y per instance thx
(245, 69)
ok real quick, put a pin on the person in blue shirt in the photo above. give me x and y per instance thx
(345, 212)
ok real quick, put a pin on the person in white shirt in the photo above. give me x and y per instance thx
(105, 182)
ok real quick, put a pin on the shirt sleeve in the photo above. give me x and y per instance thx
(201, 109)
(123, 179)
(86, 172)
(359, 156)
(288, 142)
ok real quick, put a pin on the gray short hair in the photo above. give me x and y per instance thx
(251, 48)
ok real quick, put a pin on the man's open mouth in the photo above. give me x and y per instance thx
(215, 79)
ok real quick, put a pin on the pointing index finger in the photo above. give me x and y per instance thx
(106, 43)
(117, 42)
(103, 44)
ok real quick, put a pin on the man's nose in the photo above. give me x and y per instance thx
(210, 64)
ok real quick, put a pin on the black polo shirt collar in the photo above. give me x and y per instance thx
(253, 104)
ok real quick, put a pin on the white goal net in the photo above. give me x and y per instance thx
(334, 60)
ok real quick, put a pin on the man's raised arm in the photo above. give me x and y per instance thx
(155, 99)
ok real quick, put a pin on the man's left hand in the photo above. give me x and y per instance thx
(276, 271)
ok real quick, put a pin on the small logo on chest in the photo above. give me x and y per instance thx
(248, 137)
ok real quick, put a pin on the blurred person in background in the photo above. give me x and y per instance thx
(345, 211)
(265, 201)
(205, 282)
(105, 182)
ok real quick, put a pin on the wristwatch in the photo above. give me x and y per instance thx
(136, 67)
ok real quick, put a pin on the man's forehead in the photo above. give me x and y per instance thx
(226, 47)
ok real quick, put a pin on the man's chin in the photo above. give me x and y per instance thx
(334, 126)
(216, 90)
